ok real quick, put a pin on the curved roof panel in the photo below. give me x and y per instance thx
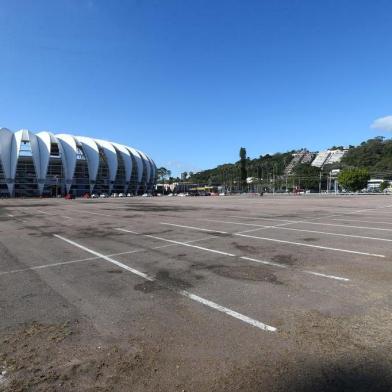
(40, 152)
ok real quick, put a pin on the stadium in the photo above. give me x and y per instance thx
(45, 164)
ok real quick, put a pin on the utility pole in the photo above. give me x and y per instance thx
(320, 184)
(273, 179)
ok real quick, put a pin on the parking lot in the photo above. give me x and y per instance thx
(284, 293)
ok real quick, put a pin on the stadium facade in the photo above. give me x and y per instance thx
(45, 164)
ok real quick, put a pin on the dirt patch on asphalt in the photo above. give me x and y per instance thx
(158, 208)
(115, 271)
(92, 232)
(42, 357)
(245, 272)
(219, 234)
(163, 281)
(285, 259)
(313, 373)
(244, 248)
(25, 205)
(350, 353)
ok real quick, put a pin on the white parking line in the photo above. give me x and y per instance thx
(96, 213)
(279, 227)
(326, 276)
(312, 223)
(232, 255)
(107, 258)
(194, 228)
(311, 246)
(45, 266)
(92, 258)
(305, 271)
(184, 293)
(179, 243)
(370, 209)
(251, 230)
(43, 212)
(264, 262)
(362, 221)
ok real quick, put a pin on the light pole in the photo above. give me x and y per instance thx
(320, 184)
(57, 181)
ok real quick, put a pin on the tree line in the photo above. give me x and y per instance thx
(372, 158)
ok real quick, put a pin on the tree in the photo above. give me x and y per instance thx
(163, 174)
(308, 175)
(243, 172)
(354, 179)
(384, 185)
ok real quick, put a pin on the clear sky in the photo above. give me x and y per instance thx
(191, 81)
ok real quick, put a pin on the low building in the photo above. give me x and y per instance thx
(374, 184)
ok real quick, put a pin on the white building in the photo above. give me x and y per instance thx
(47, 164)
(327, 157)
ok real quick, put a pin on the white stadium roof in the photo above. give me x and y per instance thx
(40, 143)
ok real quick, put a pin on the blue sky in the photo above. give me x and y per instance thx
(190, 82)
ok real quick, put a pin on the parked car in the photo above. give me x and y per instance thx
(103, 195)
(114, 194)
(94, 196)
(69, 196)
(129, 195)
(121, 195)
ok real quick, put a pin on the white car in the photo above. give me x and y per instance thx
(103, 195)
(129, 195)
(94, 196)
(121, 195)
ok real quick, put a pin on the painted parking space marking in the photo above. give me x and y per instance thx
(194, 228)
(178, 242)
(43, 212)
(185, 293)
(311, 246)
(96, 213)
(326, 275)
(279, 227)
(313, 223)
(362, 221)
(42, 266)
(270, 263)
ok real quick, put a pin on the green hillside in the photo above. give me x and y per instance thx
(374, 154)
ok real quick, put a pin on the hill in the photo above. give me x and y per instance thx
(374, 154)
